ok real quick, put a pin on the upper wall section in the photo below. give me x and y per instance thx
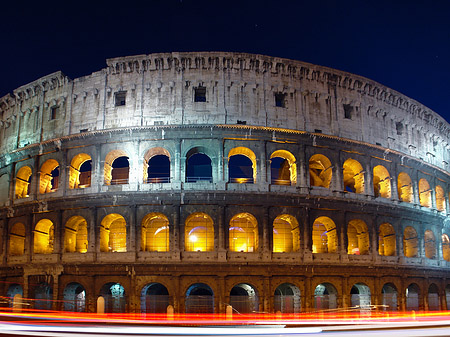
(222, 88)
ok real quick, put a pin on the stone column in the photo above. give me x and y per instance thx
(368, 182)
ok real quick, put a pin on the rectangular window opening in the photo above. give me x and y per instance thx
(348, 109)
(200, 94)
(120, 98)
(54, 112)
(280, 99)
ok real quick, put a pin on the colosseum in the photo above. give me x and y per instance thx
(201, 180)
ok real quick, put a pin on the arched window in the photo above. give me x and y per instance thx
(243, 233)
(410, 242)
(17, 239)
(241, 166)
(117, 167)
(43, 237)
(358, 237)
(424, 193)
(440, 199)
(445, 247)
(283, 168)
(199, 299)
(381, 182)
(244, 298)
(199, 233)
(157, 166)
(386, 240)
(114, 298)
(49, 176)
(389, 297)
(15, 295)
(360, 296)
(23, 180)
(74, 297)
(43, 295)
(412, 297)
(325, 297)
(113, 234)
(405, 188)
(154, 299)
(287, 299)
(198, 166)
(353, 176)
(320, 171)
(155, 233)
(430, 244)
(76, 235)
(80, 171)
(324, 236)
(285, 234)
(433, 298)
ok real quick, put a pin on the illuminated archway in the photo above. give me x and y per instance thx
(324, 236)
(74, 297)
(154, 299)
(14, 295)
(285, 234)
(49, 176)
(23, 180)
(244, 298)
(17, 239)
(360, 296)
(430, 244)
(155, 233)
(116, 169)
(43, 295)
(433, 298)
(353, 176)
(287, 299)
(157, 166)
(325, 297)
(320, 171)
(115, 297)
(199, 299)
(387, 244)
(198, 165)
(199, 233)
(242, 165)
(76, 235)
(412, 297)
(358, 238)
(445, 247)
(283, 168)
(440, 199)
(389, 297)
(410, 242)
(405, 187)
(381, 182)
(113, 233)
(424, 193)
(80, 171)
(43, 237)
(243, 233)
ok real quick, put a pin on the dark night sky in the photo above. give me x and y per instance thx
(403, 44)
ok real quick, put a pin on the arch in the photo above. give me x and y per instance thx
(49, 176)
(433, 298)
(43, 295)
(389, 297)
(387, 242)
(154, 299)
(116, 168)
(198, 166)
(44, 234)
(199, 299)
(115, 297)
(80, 171)
(430, 244)
(17, 239)
(358, 237)
(113, 233)
(381, 182)
(76, 235)
(244, 298)
(325, 297)
(74, 297)
(242, 166)
(243, 233)
(410, 242)
(155, 233)
(23, 180)
(360, 296)
(353, 176)
(199, 233)
(285, 234)
(283, 168)
(440, 199)
(320, 171)
(412, 297)
(14, 292)
(424, 193)
(287, 299)
(405, 187)
(157, 165)
(445, 247)
(324, 236)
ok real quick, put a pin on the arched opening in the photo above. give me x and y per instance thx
(424, 193)
(358, 238)
(17, 239)
(115, 298)
(155, 233)
(430, 244)
(320, 171)
(324, 236)
(353, 176)
(76, 235)
(412, 297)
(285, 234)
(433, 298)
(157, 166)
(287, 299)
(199, 233)
(447, 296)
(80, 171)
(410, 242)
(74, 297)
(113, 233)
(154, 299)
(117, 168)
(243, 233)
(405, 188)
(389, 297)
(49, 176)
(23, 181)
(360, 296)
(14, 294)
(244, 298)
(440, 199)
(325, 297)
(445, 247)
(198, 166)
(381, 182)
(43, 296)
(283, 168)
(44, 236)
(241, 166)
(199, 299)
(387, 245)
